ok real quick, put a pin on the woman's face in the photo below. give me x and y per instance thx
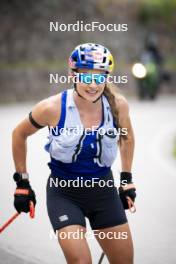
(90, 91)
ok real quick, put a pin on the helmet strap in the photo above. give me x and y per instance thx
(97, 99)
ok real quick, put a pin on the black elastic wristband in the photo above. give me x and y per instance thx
(125, 177)
(33, 122)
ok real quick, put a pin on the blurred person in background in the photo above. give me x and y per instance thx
(151, 46)
(148, 71)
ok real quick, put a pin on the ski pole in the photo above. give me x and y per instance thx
(101, 258)
(11, 219)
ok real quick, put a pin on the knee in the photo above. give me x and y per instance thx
(122, 260)
(79, 260)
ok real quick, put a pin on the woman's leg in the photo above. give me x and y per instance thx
(67, 219)
(116, 243)
(74, 245)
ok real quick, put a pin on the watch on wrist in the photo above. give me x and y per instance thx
(20, 176)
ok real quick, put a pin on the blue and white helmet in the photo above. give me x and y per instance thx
(91, 56)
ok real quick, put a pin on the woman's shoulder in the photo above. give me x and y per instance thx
(48, 110)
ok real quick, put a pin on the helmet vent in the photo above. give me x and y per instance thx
(74, 57)
(104, 59)
(82, 57)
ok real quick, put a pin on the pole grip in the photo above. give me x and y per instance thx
(32, 209)
(131, 205)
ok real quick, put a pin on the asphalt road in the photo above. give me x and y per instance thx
(153, 226)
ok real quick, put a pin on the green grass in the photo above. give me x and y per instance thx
(155, 10)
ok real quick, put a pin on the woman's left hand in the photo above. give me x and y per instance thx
(126, 192)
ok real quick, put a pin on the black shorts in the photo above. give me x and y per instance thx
(70, 205)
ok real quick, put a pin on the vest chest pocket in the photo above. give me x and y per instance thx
(109, 149)
(64, 146)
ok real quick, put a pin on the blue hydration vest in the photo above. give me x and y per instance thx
(76, 152)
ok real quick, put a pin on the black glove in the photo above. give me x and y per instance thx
(125, 179)
(127, 193)
(23, 195)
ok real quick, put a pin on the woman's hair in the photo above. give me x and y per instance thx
(109, 92)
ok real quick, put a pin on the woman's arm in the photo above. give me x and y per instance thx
(126, 142)
(45, 113)
(127, 190)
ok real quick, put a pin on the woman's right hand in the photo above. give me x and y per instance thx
(23, 196)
